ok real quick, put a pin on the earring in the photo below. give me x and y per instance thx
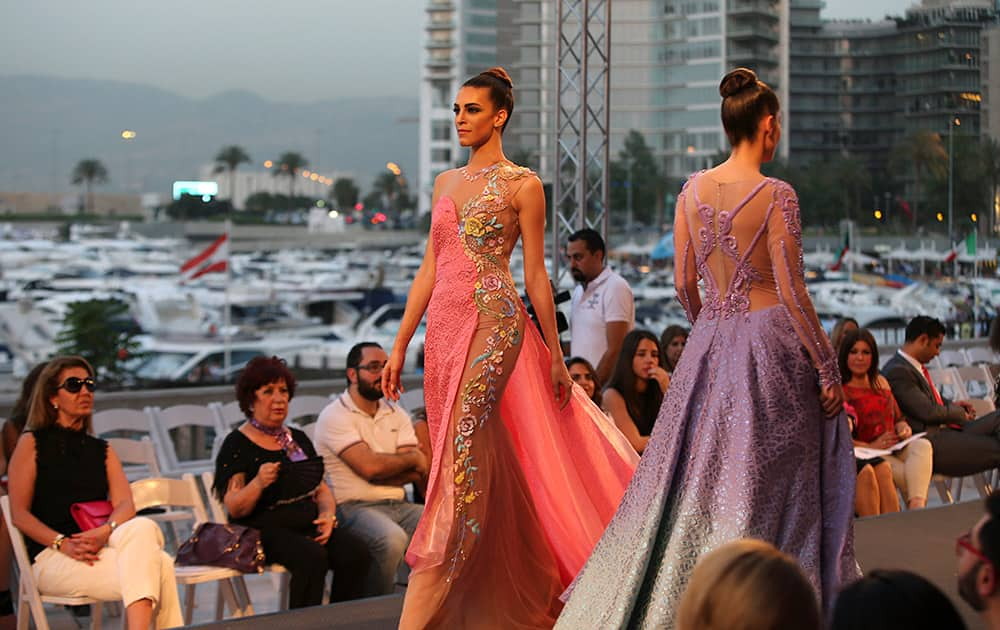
(55, 406)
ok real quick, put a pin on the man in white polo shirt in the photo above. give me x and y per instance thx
(370, 452)
(603, 310)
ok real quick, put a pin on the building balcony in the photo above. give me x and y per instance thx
(744, 32)
(441, 25)
(763, 8)
(439, 45)
(440, 5)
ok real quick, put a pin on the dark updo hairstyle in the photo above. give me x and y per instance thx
(261, 371)
(745, 100)
(501, 88)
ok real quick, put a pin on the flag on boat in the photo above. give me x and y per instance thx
(952, 254)
(213, 259)
(837, 264)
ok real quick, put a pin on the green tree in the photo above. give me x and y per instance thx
(393, 191)
(103, 332)
(289, 165)
(89, 172)
(854, 181)
(345, 193)
(228, 159)
(636, 169)
(920, 154)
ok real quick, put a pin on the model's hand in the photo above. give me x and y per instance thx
(391, 387)
(832, 399)
(562, 384)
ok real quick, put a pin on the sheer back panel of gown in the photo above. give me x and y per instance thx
(484, 554)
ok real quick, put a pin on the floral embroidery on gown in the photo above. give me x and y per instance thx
(519, 490)
(741, 447)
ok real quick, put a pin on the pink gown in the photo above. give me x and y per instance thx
(519, 490)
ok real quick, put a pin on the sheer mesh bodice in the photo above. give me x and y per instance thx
(744, 240)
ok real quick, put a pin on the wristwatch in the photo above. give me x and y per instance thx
(113, 525)
(58, 542)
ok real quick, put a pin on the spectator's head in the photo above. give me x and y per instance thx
(858, 356)
(63, 394)
(639, 354)
(924, 336)
(484, 106)
(978, 558)
(586, 252)
(19, 412)
(730, 585)
(264, 389)
(584, 375)
(843, 325)
(365, 362)
(894, 600)
(672, 342)
(750, 111)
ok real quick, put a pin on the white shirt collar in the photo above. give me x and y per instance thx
(348, 401)
(598, 280)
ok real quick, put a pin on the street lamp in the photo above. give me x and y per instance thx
(128, 135)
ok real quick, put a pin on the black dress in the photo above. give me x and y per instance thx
(71, 468)
(285, 521)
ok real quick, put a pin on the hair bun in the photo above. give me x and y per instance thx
(501, 74)
(736, 81)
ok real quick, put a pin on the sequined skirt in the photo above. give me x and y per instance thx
(740, 449)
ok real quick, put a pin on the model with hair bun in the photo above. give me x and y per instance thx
(526, 469)
(750, 441)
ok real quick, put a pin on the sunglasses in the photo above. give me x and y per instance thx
(73, 385)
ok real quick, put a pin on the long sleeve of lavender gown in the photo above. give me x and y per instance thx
(784, 242)
(685, 269)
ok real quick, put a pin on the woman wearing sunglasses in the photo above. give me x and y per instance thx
(57, 463)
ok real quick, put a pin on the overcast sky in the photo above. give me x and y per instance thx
(301, 51)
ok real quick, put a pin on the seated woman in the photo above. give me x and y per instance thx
(729, 584)
(635, 390)
(880, 423)
(843, 326)
(584, 375)
(875, 492)
(672, 342)
(58, 463)
(255, 480)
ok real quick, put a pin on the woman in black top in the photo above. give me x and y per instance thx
(635, 389)
(58, 463)
(268, 478)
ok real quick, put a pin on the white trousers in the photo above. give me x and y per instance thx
(132, 567)
(911, 468)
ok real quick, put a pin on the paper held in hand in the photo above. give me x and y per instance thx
(864, 452)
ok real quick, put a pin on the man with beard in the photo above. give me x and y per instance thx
(603, 310)
(370, 452)
(978, 558)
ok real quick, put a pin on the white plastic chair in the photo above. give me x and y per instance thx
(183, 493)
(30, 601)
(977, 381)
(948, 383)
(133, 423)
(279, 573)
(981, 354)
(138, 457)
(306, 406)
(230, 415)
(953, 358)
(203, 426)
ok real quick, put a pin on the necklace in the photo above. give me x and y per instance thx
(471, 177)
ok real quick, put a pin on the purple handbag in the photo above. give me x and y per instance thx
(223, 545)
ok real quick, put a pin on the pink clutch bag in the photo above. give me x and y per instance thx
(91, 514)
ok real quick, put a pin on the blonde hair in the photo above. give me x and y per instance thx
(748, 585)
(41, 413)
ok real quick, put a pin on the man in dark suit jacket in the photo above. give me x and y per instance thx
(962, 444)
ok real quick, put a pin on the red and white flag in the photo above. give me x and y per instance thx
(213, 260)
(952, 254)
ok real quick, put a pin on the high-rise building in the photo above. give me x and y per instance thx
(989, 64)
(461, 39)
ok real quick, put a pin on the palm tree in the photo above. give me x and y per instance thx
(852, 178)
(990, 148)
(345, 193)
(289, 165)
(228, 160)
(924, 152)
(89, 172)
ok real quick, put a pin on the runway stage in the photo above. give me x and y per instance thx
(922, 541)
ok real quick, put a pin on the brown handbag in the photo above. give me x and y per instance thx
(224, 545)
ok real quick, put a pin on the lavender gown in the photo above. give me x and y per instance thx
(741, 447)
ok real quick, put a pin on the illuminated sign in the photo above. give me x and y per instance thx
(205, 190)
